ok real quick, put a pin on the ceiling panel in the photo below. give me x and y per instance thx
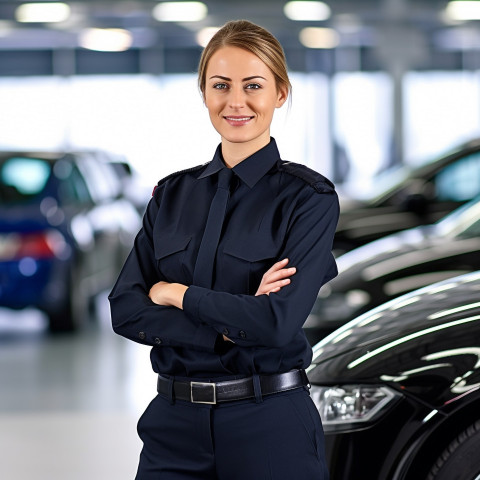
(414, 32)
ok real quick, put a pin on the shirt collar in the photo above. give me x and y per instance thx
(250, 170)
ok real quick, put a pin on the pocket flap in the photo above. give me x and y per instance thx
(251, 251)
(167, 245)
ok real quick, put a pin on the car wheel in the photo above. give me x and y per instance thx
(460, 460)
(73, 312)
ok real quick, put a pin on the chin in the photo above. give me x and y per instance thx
(245, 137)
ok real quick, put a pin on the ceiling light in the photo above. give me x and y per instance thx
(180, 11)
(205, 35)
(106, 39)
(463, 10)
(309, 11)
(42, 12)
(313, 37)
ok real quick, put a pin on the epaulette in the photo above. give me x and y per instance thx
(176, 174)
(316, 180)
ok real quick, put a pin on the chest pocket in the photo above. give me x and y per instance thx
(171, 254)
(248, 261)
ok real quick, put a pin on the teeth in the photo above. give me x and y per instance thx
(243, 119)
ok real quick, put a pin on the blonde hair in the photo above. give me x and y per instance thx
(253, 38)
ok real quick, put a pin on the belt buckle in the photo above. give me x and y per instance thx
(203, 392)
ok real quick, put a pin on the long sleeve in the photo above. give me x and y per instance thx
(135, 316)
(273, 320)
(276, 209)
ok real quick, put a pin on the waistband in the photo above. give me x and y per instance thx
(230, 390)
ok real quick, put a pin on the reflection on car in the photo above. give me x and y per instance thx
(398, 388)
(388, 267)
(65, 230)
(406, 198)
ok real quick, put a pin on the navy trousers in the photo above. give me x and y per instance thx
(279, 437)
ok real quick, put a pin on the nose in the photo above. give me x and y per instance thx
(237, 97)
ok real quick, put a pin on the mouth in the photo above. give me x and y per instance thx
(237, 120)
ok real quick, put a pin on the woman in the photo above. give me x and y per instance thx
(221, 280)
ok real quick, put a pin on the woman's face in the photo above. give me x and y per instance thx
(241, 95)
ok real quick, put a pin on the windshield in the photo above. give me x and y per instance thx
(22, 178)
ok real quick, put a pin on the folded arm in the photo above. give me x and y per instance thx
(271, 318)
(136, 317)
(274, 279)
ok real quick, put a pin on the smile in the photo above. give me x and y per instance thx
(238, 119)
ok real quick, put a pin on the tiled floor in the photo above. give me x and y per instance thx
(69, 403)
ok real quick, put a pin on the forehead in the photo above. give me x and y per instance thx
(233, 61)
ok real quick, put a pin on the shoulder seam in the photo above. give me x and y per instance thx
(180, 172)
(314, 179)
(175, 174)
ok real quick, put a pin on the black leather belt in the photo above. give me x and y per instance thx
(227, 391)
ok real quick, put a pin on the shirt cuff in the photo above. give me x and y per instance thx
(191, 300)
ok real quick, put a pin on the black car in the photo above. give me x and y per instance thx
(398, 388)
(396, 264)
(65, 230)
(406, 198)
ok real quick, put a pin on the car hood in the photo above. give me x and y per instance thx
(425, 343)
(354, 262)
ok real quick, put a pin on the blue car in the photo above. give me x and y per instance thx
(65, 230)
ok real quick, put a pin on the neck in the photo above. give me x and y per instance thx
(234, 153)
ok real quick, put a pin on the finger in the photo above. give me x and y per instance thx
(276, 285)
(278, 265)
(275, 290)
(281, 283)
(280, 274)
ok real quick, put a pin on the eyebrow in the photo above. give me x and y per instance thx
(246, 79)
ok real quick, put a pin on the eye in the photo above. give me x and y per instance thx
(253, 86)
(220, 86)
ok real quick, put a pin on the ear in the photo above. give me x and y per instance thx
(282, 95)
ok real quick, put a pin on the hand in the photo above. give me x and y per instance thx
(275, 278)
(168, 294)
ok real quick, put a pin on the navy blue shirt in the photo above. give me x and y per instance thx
(276, 210)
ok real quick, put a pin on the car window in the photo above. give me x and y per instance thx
(22, 178)
(102, 182)
(459, 181)
(79, 186)
(72, 187)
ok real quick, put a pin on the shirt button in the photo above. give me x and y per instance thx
(225, 331)
(158, 341)
(242, 334)
(142, 335)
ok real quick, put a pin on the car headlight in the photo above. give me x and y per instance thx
(351, 406)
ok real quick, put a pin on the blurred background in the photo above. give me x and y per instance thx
(96, 98)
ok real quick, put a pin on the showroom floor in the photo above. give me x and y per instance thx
(69, 403)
